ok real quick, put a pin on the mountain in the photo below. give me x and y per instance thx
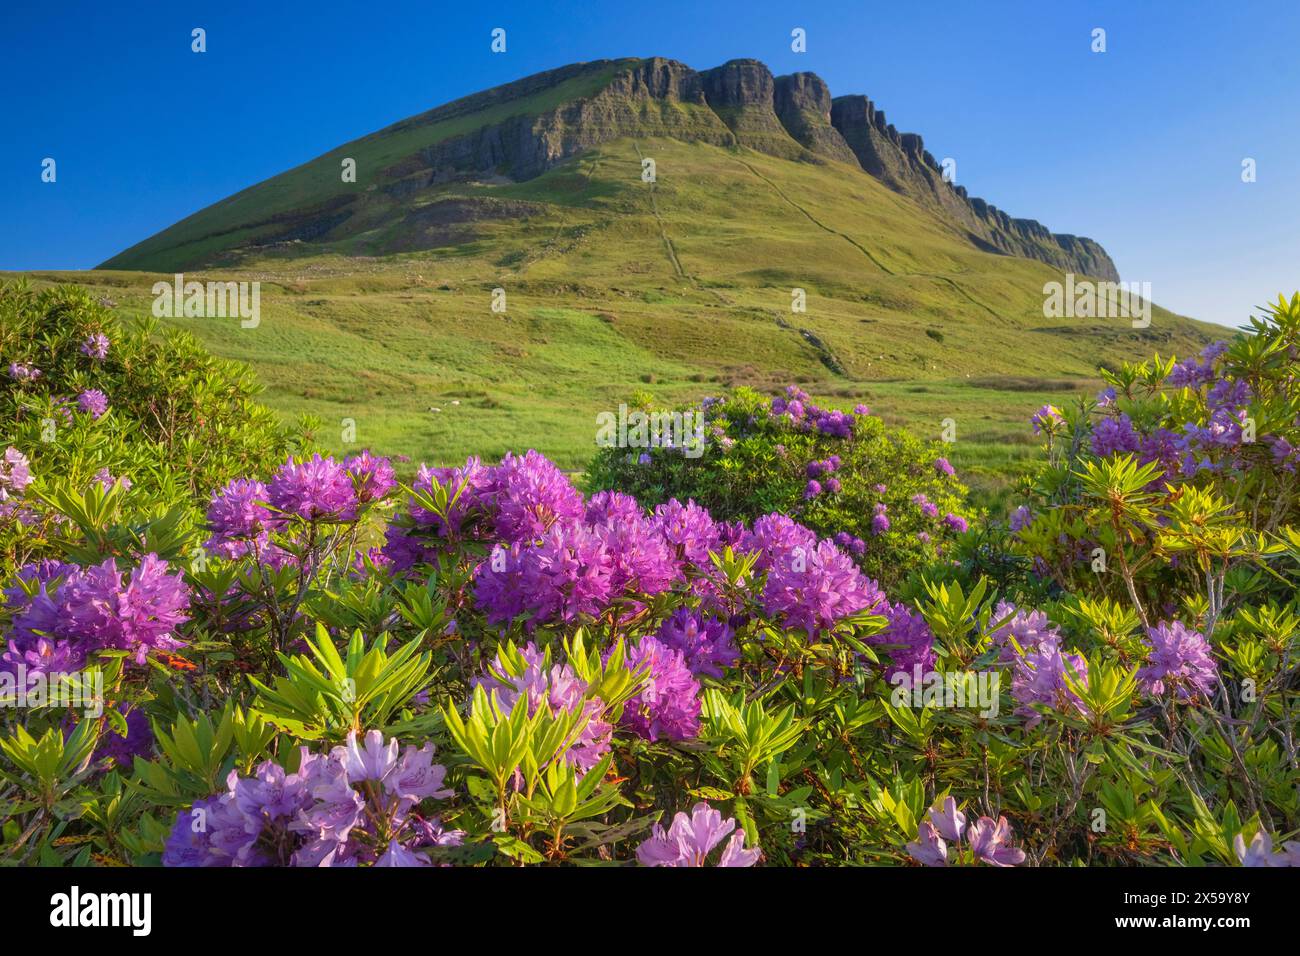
(520, 130)
(788, 236)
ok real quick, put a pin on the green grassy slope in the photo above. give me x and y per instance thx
(253, 212)
(678, 289)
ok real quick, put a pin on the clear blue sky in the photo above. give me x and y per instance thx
(1139, 147)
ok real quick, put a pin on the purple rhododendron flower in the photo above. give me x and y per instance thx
(689, 840)
(942, 466)
(93, 609)
(1029, 628)
(1021, 519)
(568, 573)
(990, 842)
(95, 346)
(117, 749)
(606, 505)
(372, 475)
(15, 473)
(812, 588)
(987, 841)
(474, 481)
(948, 820)
(929, 848)
(705, 641)
(1039, 678)
(1180, 661)
(641, 560)
(689, 530)
(668, 703)
(1260, 851)
(22, 372)
(354, 806)
(1046, 418)
(93, 402)
(776, 537)
(1114, 436)
(105, 479)
(561, 690)
(1193, 374)
(907, 639)
(236, 514)
(530, 495)
(319, 488)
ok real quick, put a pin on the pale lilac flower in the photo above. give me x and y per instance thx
(990, 842)
(948, 820)
(15, 473)
(561, 690)
(1260, 851)
(689, 841)
(929, 848)
(1021, 518)
(22, 372)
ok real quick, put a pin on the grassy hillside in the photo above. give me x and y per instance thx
(262, 209)
(678, 289)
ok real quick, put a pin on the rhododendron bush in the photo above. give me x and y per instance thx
(890, 501)
(328, 661)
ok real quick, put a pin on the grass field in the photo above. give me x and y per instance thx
(678, 289)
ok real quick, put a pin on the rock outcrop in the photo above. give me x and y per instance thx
(901, 162)
(803, 104)
(742, 93)
(737, 103)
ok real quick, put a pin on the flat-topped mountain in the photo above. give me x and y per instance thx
(516, 132)
(501, 270)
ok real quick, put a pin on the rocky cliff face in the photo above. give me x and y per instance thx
(654, 97)
(803, 104)
(738, 103)
(521, 129)
(742, 93)
(901, 161)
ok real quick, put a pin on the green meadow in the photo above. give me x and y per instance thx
(677, 289)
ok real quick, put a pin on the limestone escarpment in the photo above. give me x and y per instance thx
(901, 161)
(739, 103)
(520, 130)
(803, 104)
